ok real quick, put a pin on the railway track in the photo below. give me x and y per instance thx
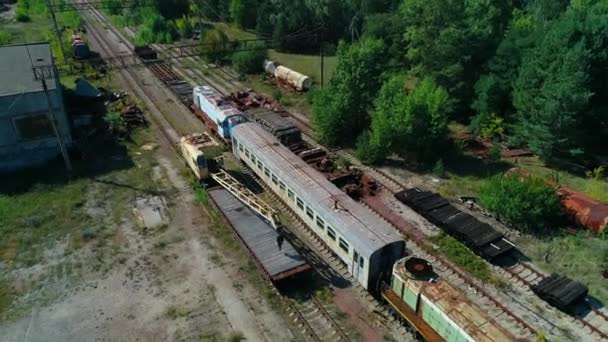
(393, 185)
(309, 315)
(522, 273)
(321, 255)
(526, 275)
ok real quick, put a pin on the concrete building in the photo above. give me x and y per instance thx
(26, 134)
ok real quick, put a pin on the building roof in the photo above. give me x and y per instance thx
(364, 230)
(16, 73)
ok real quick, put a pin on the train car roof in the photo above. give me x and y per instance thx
(454, 304)
(222, 106)
(363, 229)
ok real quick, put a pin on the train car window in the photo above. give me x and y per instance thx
(300, 204)
(260, 165)
(320, 223)
(266, 172)
(331, 233)
(282, 186)
(310, 213)
(236, 142)
(253, 159)
(343, 244)
(361, 262)
(247, 153)
(291, 195)
(275, 180)
(241, 148)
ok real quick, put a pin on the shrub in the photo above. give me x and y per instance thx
(22, 17)
(439, 169)
(248, 62)
(367, 152)
(184, 27)
(5, 37)
(463, 257)
(200, 195)
(116, 123)
(527, 203)
(214, 45)
(494, 153)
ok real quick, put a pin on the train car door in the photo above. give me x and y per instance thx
(355, 265)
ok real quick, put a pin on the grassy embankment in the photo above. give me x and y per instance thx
(583, 257)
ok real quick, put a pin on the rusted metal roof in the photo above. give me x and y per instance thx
(456, 307)
(363, 229)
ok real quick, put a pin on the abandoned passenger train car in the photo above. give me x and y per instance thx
(366, 244)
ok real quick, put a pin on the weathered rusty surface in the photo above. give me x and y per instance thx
(584, 210)
(376, 204)
(410, 315)
(455, 307)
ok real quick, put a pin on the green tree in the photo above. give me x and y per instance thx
(527, 203)
(340, 111)
(412, 124)
(113, 6)
(493, 89)
(215, 44)
(243, 12)
(450, 40)
(184, 27)
(552, 91)
(249, 62)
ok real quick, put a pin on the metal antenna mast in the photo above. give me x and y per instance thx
(57, 30)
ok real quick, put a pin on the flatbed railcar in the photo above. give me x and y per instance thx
(480, 237)
(561, 292)
(364, 242)
(259, 238)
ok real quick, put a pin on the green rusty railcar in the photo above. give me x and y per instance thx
(437, 310)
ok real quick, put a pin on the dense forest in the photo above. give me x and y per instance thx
(524, 73)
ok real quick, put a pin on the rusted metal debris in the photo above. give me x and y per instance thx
(133, 116)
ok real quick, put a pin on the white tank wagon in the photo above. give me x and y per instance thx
(364, 242)
(199, 150)
(293, 78)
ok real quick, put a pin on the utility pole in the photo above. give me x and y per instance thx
(322, 59)
(57, 31)
(200, 21)
(51, 117)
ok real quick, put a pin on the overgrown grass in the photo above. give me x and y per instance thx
(6, 298)
(5, 37)
(41, 215)
(231, 30)
(466, 173)
(582, 257)
(460, 255)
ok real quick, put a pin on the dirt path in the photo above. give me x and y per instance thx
(174, 283)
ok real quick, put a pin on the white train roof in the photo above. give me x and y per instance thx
(362, 229)
(221, 106)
